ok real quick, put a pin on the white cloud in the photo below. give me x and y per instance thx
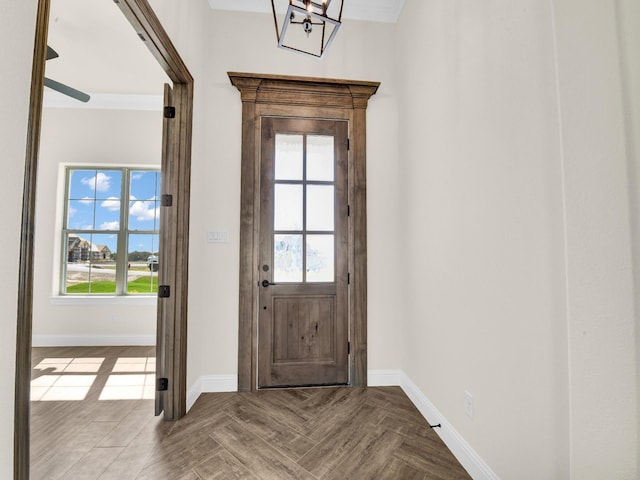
(143, 211)
(71, 211)
(86, 201)
(115, 225)
(152, 199)
(111, 203)
(100, 182)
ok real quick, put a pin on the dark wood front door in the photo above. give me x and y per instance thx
(303, 256)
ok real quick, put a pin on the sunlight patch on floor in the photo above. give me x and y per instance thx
(48, 388)
(129, 387)
(66, 379)
(135, 364)
(75, 365)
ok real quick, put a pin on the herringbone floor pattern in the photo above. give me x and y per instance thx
(314, 434)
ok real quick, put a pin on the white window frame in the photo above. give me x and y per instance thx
(122, 233)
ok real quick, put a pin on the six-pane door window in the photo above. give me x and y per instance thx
(98, 226)
(303, 223)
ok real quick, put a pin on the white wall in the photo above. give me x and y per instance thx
(602, 347)
(16, 35)
(628, 17)
(482, 229)
(86, 137)
(213, 43)
(517, 161)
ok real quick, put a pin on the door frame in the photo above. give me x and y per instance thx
(146, 24)
(303, 97)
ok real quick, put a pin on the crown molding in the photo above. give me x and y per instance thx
(278, 89)
(385, 11)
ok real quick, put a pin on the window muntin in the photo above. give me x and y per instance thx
(304, 209)
(98, 225)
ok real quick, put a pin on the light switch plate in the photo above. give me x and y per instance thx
(217, 236)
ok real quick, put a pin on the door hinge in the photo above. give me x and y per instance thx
(348, 210)
(162, 384)
(169, 111)
(348, 144)
(166, 200)
(348, 279)
(348, 348)
(164, 291)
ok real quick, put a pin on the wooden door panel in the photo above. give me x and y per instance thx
(304, 330)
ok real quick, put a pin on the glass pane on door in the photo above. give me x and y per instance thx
(287, 209)
(289, 150)
(320, 156)
(320, 258)
(287, 261)
(320, 207)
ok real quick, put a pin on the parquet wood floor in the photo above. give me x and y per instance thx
(310, 434)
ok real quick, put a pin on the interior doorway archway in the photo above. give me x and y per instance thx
(172, 311)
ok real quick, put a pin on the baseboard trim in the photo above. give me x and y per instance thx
(470, 460)
(211, 384)
(384, 378)
(92, 340)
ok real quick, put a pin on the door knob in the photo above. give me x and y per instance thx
(266, 283)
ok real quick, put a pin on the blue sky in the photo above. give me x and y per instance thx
(94, 204)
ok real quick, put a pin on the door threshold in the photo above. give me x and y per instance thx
(297, 387)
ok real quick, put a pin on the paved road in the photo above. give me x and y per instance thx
(80, 268)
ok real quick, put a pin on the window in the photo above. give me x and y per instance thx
(98, 226)
(304, 190)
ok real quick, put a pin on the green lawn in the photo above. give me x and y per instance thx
(140, 285)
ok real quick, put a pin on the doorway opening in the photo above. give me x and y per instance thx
(299, 101)
(176, 146)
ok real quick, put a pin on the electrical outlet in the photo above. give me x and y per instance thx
(468, 404)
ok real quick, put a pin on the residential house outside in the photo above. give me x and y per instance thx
(82, 250)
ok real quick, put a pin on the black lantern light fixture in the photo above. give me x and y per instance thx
(309, 26)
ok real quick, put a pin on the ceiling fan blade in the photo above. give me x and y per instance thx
(67, 90)
(51, 53)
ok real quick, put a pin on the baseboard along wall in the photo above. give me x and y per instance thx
(467, 456)
(211, 384)
(92, 340)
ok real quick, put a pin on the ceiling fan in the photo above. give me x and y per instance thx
(61, 87)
